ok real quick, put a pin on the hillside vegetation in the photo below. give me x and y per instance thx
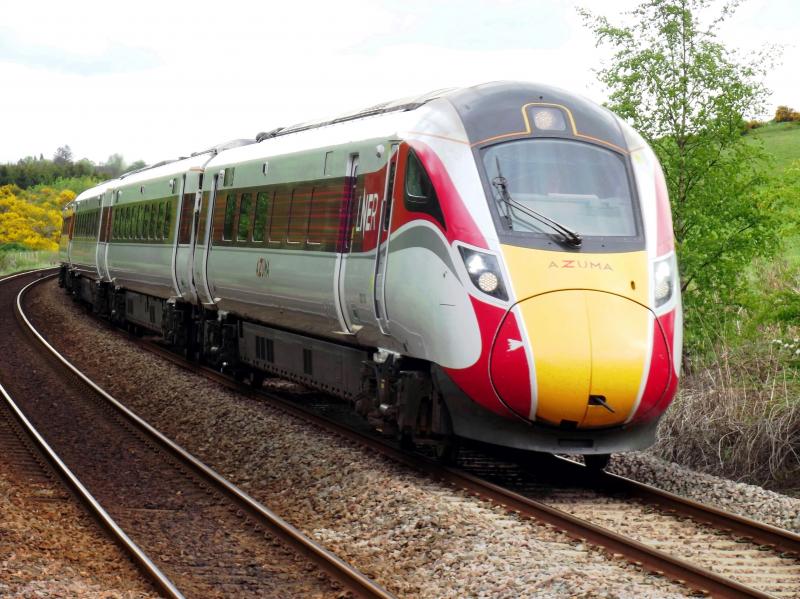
(32, 193)
(30, 219)
(741, 380)
(781, 141)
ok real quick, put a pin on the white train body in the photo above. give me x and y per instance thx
(376, 256)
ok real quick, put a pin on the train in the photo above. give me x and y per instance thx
(492, 263)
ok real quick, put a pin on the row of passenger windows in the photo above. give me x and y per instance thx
(86, 224)
(302, 215)
(149, 222)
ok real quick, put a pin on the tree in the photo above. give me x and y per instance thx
(784, 114)
(63, 155)
(687, 94)
(113, 167)
(135, 166)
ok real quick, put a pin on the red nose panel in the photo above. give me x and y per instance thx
(661, 381)
(509, 368)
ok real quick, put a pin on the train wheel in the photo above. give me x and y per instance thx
(447, 450)
(407, 441)
(596, 462)
(256, 379)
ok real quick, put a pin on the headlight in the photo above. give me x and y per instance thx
(484, 271)
(664, 272)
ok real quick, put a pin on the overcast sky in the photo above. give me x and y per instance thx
(157, 79)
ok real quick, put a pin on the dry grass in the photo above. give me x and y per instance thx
(14, 261)
(738, 416)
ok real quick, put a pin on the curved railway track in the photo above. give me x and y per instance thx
(748, 558)
(713, 551)
(189, 529)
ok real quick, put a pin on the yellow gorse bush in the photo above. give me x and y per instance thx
(32, 217)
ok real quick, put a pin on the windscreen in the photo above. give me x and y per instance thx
(581, 186)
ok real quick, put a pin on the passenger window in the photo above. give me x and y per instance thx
(153, 221)
(160, 221)
(167, 219)
(262, 212)
(139, 218)
(420, 195)
(244, 217)
(186, 219)
(148, 221)
(230, 212)
(298, 221)
(324, 221)
(280, 217)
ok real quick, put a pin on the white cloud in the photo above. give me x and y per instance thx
(217, 72)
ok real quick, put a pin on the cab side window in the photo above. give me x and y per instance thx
(420, 195)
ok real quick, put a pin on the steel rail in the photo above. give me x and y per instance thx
(764, 534)
(346, 574)
(634, 551)
(94, 507)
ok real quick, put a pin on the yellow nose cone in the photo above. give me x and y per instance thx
(587, 344)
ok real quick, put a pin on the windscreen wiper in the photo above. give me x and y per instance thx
(500, 182)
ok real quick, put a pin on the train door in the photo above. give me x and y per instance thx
(345, 245)
(202, 244)
(70, 234)
(178, 229)
(382, 246)
(103, 236)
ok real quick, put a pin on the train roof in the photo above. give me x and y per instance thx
(95, 191)
(485, 112)
(402, 104)
(164, 169)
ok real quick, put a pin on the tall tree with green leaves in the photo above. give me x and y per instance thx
(672, 79)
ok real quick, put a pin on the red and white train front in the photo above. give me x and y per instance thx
(574, 337)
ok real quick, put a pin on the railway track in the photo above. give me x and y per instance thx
(712, 551)
(189, 529)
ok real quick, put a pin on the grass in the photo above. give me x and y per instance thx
(16, 260)
(781, 140)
